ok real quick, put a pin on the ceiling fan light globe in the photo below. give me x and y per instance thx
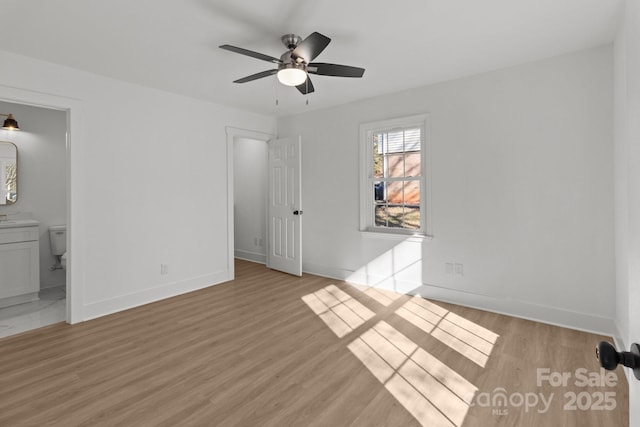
(292, 76)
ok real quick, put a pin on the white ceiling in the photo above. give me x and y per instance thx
(173, 44)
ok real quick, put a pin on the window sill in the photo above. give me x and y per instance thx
(388, 235)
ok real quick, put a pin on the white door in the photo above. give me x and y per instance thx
(285, 206)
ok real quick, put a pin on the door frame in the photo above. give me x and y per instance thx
(74, 109)
(232, 134)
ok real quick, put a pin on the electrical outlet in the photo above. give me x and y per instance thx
(459, 268)
(164, 269)
(260, 242)
(255, 241)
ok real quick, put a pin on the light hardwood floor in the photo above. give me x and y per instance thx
(269, 349)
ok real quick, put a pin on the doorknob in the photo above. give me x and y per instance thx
(297, 212)
(610, 358)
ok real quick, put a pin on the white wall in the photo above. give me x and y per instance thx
(42, 189)
(142, 192)
(627, 182)
(522, 180)
(250, 196)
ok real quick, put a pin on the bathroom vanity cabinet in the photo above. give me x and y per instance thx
(19, 262)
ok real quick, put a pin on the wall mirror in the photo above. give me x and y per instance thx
(8, 173)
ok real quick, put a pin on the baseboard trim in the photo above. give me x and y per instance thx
(328, 272)
(508, 306)
(250, 256)
(19, 299)
(523, 309)
(125, 302)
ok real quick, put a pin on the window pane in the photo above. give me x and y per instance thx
(412, 218)
(378, 158)
(394, 193)
(395, 141)
(380, 142)
(378, 166)
(395, 216)
(395, 165)
(381, 215)
(379, 191)
(412, 193)
(412, 139)
(412, 164)
(412, 205)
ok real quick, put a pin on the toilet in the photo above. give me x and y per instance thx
(58, 240)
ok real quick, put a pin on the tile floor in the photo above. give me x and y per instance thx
(51, 308)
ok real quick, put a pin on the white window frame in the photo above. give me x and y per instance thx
(367, 179)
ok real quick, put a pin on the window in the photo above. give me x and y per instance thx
(394, 185)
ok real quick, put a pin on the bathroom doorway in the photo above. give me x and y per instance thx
(42, 186)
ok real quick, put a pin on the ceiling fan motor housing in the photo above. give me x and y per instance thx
(288, 62)
(291, 40)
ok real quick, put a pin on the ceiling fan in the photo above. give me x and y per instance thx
(294, 66)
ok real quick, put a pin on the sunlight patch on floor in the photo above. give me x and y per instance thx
(383, 296)
(433, 393)
(467, 338)
(339, 310)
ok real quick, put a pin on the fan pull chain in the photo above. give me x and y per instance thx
(276, 80)
(306, 83)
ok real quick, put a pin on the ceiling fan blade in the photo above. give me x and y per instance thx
(310, 47)
(256, 76)
(306, 87)
(337, 70)
(250, 53)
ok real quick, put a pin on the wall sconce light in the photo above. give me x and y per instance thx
(10, 123)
